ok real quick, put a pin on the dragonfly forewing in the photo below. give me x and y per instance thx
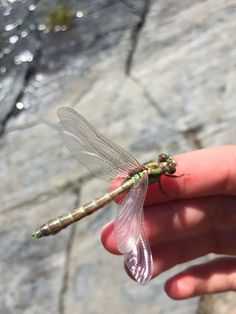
(97, 153)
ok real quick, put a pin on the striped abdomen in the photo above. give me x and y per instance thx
(53, 226)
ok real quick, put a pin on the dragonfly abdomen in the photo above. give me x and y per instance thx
(53, 226)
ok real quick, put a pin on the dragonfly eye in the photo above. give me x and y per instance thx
(163, 157)
(171, 166)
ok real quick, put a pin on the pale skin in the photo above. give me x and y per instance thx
(197, 217)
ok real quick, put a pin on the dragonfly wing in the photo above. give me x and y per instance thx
(130, 216)
(97, 153)
(139, 262)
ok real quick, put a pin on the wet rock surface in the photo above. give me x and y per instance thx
(153, 76)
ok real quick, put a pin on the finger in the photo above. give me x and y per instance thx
(108, 238)
(212, 277)
(179, 218)
(166, 220)
(168, 254)
(208, 171)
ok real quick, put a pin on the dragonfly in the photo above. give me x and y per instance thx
(112, 163)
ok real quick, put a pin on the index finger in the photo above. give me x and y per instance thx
(210, 171)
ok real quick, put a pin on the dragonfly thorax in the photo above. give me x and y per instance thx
(164, 165)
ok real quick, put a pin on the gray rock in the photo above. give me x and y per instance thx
(11, 86)
(178, 95)
(178, 60)
(32, 272)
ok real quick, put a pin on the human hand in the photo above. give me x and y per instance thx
(196, 218)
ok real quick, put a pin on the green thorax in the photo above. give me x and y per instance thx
(155, 169)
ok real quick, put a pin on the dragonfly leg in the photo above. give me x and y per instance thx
(175, 176)
(170, 176)
(161, 188)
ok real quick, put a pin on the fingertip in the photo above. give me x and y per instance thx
(106, 234)
(108, 238)
(212, 277)
(180, 287)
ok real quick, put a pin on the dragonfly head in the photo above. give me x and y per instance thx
(168, 163)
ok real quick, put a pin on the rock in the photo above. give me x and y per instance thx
(33, 270)
(152, 78)
(172, 61)
(11, 85)
(217, 304)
